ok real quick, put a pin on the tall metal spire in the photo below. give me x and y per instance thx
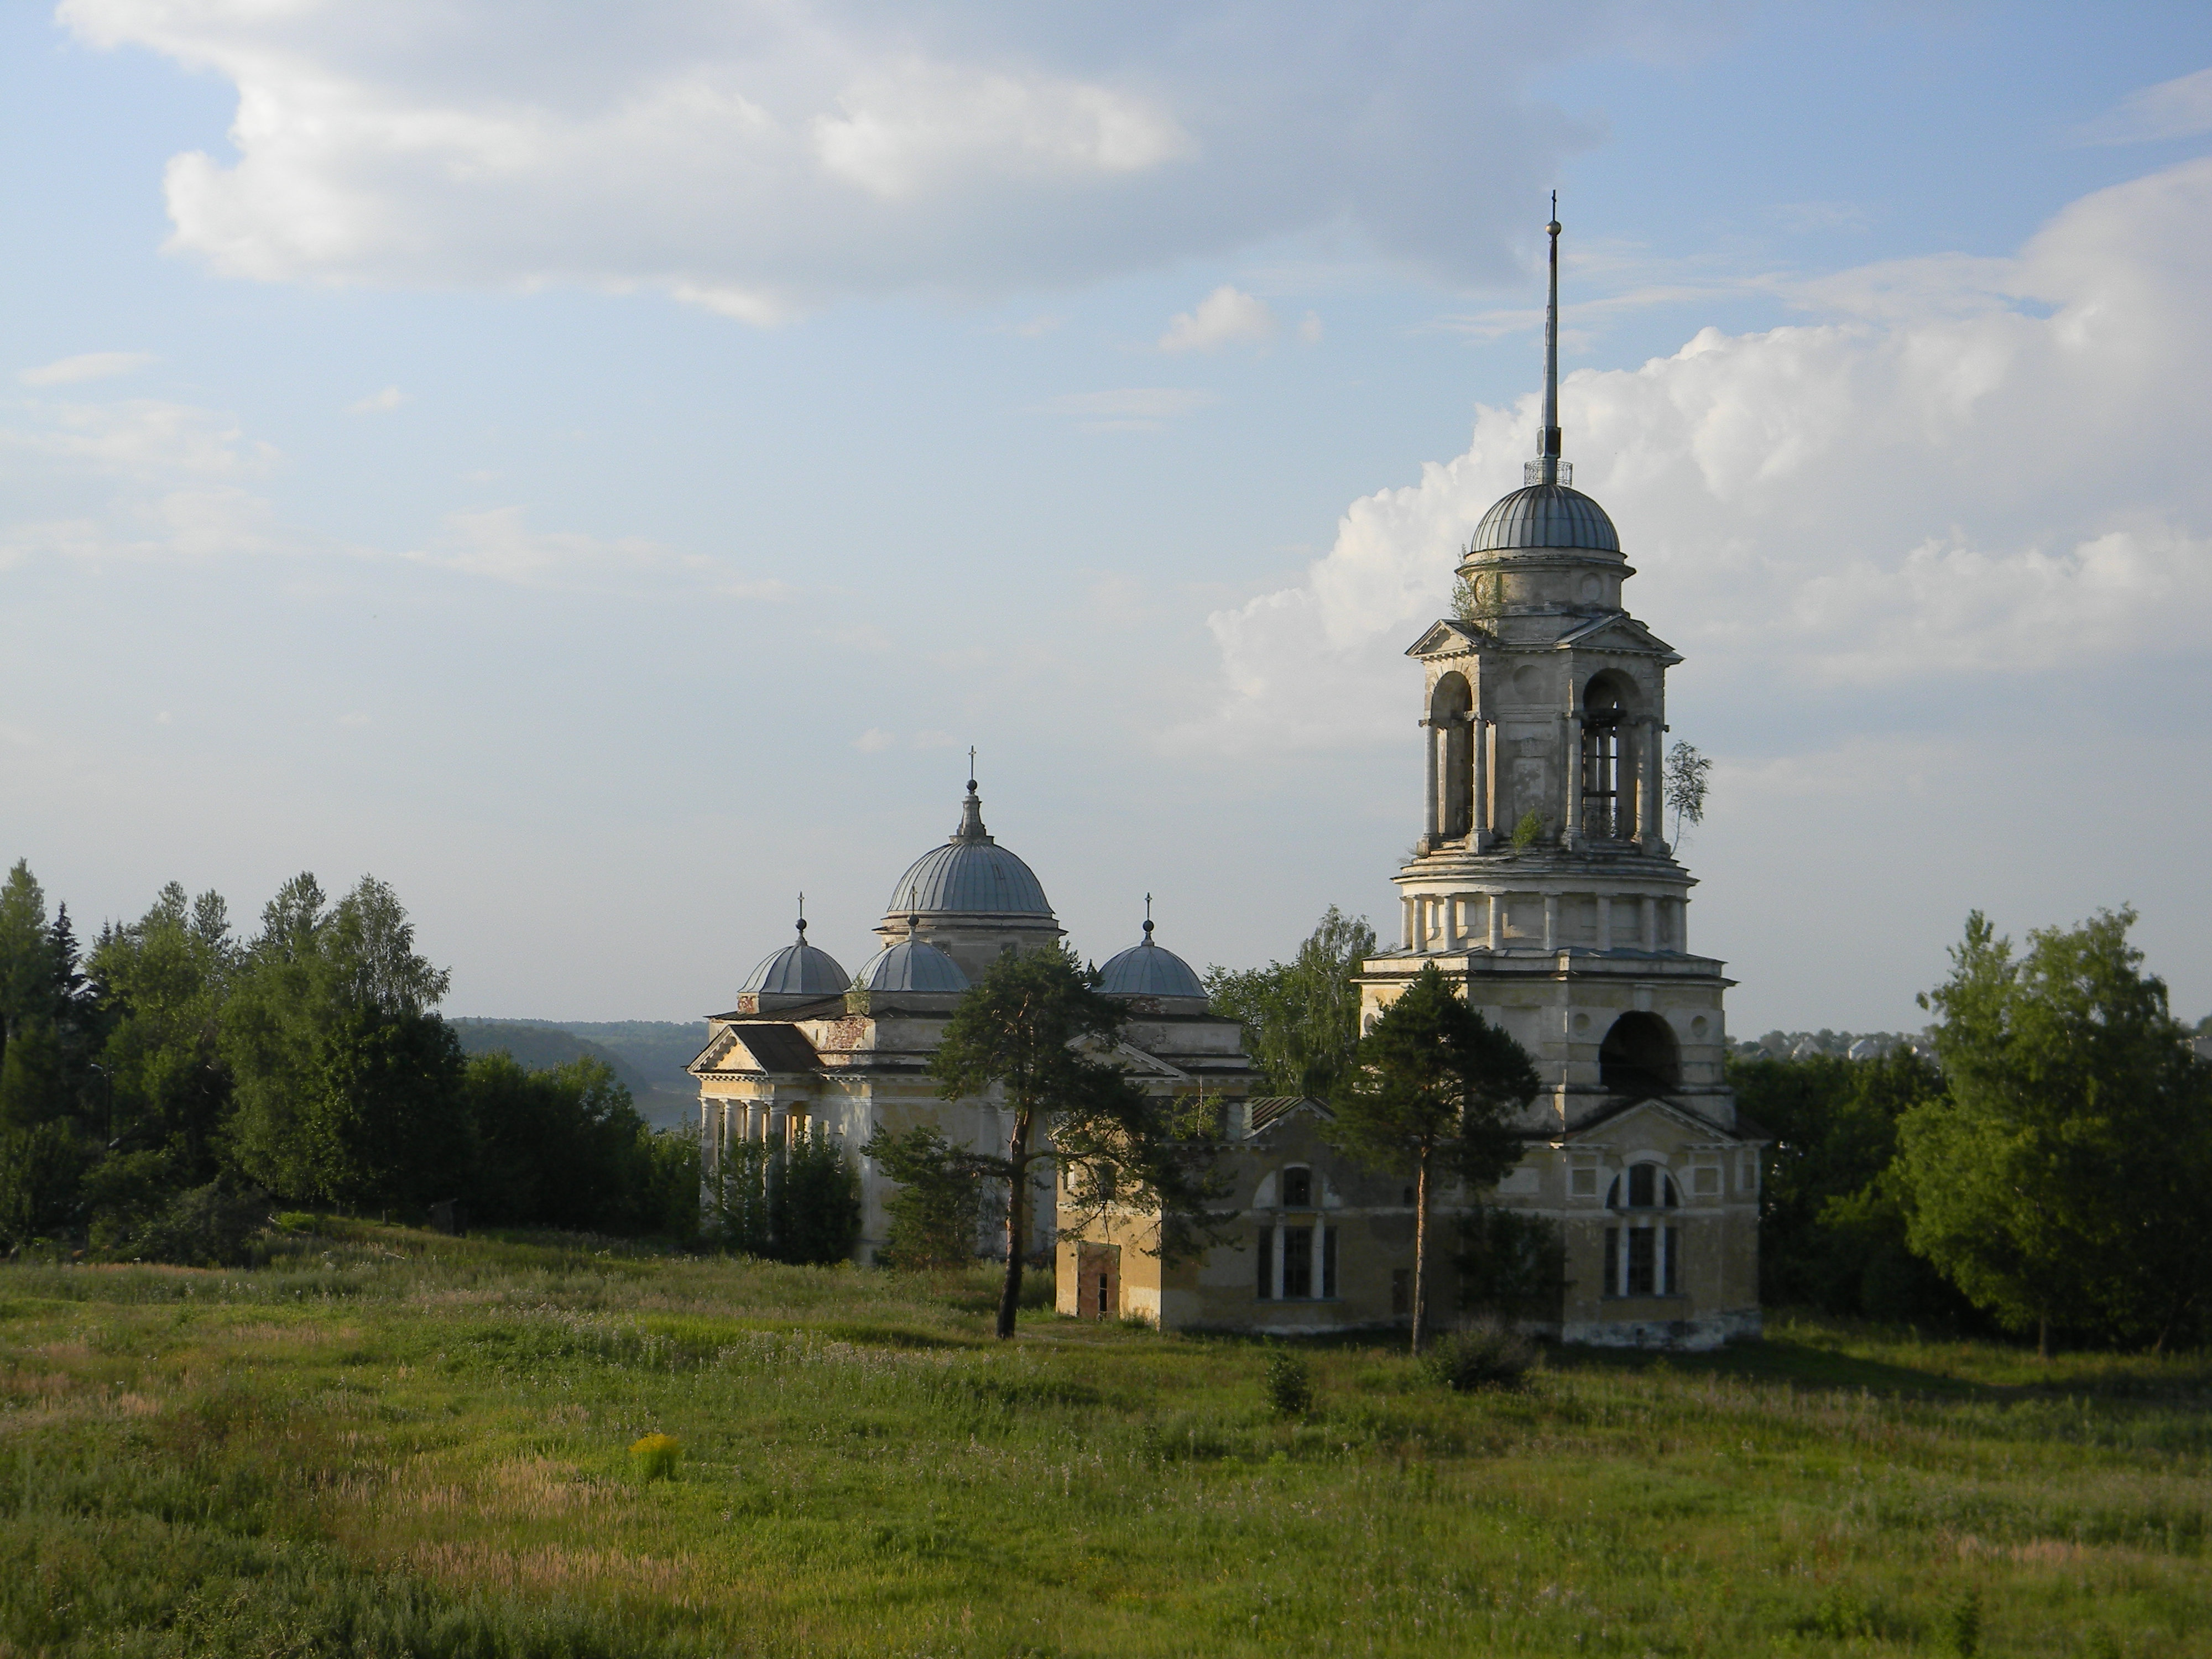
(1547, 440)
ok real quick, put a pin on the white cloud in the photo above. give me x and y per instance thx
(378, 403)
(1226, 316)
(1309, 328)
(762, 158)
(1132, 409)
(1972, 469)
(2180, 108)
(86, 366)
(873, 741)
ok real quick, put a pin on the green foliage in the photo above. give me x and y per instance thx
(655, 1456)
(1528, 832)
(384, 1124)
(40, 1166)
(2059, 1183)
(1437, 1088)
(1289, 1383)
(1033, 1030)
(1511, 1264)
(1687, 785)
(1476, 599)
(1832, 1229)
(217, 1226)
(1488, 1355)
(1960, 1634)
(555, 1148)
(936, 1207)
(1301, 1017)
(799, 1203)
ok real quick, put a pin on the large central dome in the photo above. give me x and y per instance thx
(1546, 515)
(970, 875)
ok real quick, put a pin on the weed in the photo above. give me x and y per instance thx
(1483, 1356)
(1290, 1383)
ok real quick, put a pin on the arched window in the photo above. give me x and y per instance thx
(1455, 756)
(1608, 802)
(1640, 1056)
(1297, 1188)
(1643, 1258)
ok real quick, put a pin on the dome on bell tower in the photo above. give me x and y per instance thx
(1546, 515)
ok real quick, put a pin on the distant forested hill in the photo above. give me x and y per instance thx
(648, 1055)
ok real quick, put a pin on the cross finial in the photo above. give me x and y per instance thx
(971, 769)
(1148, 918)
(802, 918)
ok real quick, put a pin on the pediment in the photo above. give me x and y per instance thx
(710, 1058)
(1620, 633)
(1135, 1061)
(1614, 1114)
(1266, 1113)
(1449, 637)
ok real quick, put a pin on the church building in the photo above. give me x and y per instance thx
(1542, 886)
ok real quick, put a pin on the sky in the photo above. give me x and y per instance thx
(598, 468)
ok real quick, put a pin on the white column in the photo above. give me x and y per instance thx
(1497, 921)
(1682, 924)
(1605, 922)
(1320, 1231)
(1479, 765)
(710, 1146)
(1650, 922)
(1430, 804)
(1571, 728)
(1408, 904)
(756, 1120)
(779, 1123)
(1550, 921)
(1651, 786)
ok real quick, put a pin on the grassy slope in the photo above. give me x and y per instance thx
(388, 1442)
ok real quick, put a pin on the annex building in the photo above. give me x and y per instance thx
(1542, 885)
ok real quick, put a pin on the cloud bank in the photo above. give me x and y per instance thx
(1966, 468)
(764, 158)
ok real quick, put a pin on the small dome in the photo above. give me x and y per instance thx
(796, 970)
(971, 874)
(1546, 515)
(1149, 970)
(911, 964)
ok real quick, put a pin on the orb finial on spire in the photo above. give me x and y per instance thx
(1148, 918)
(802, 918)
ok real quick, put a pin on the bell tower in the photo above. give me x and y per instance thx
(1542, 884)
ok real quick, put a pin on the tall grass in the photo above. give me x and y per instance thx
(390, 1442)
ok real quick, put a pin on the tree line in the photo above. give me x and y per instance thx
(160, 1090)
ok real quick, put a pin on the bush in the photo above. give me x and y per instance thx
(935, 1211)
(800, 1203)
(655, 1456)
(1484, 1356)
(1290, 1383)
(217, 1226)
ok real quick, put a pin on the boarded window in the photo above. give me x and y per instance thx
(1583, 1183)
(1266, 1255)
(1297, 1262)
(1706, 1181)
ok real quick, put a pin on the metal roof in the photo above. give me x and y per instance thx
(1546, 515)
(1149, 970)
(778, 1047)
(970, 874)
(911, 965)
(799, 969)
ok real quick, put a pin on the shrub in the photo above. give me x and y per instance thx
(1961, 1632)
(1484, 1356)
(1290, 1383)
(1528, 832)
(217, 1226)
(655, 1456)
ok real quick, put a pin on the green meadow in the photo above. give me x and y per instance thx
(388, 1442)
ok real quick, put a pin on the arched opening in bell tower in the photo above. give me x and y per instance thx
(1640, 1056)
(1608, 794)
(1449, 708)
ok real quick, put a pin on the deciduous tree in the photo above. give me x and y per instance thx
(1434, 1090)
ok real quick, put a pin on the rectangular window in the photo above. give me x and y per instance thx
(1642, 1259)
(1705, 1183)
(1297, 1189)
(1583, 1183)
(1672, 1285)
(1266, 1255)
(1297, 1263)
(1639, 1187)
(1613, 1262)
(1328, 1262)
(1402, 1292)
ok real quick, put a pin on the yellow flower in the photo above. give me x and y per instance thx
(655, 1456)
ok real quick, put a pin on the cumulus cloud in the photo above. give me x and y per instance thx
(761, 158)
(86, 366)
(1968, 468)
(1227, 316)
(2180, 108)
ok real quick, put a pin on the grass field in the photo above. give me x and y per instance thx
(388, 1442)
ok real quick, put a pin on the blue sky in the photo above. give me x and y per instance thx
(599, 468)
